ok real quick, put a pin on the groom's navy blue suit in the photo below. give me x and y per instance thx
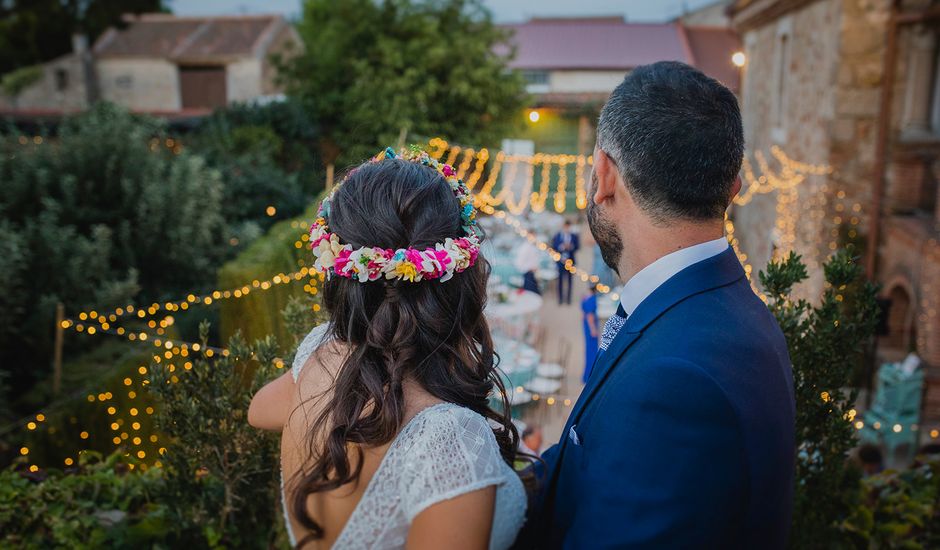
(684, 434)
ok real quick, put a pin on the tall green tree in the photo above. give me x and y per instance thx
(373, 68)
(33, 31)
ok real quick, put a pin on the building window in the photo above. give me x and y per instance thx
(782, 56)
(781, 92)
(536, 81)
(535, 77)
(61, 80)
(935, 99)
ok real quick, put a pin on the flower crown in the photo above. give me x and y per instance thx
(409, 264)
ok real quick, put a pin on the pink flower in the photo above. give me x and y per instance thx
(413, 256)
(448, 170)
(342, 261)
(443, 258)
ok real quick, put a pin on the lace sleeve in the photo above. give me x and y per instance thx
(310, 343)
(450, 454)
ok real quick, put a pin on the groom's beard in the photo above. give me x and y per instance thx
(604, 231)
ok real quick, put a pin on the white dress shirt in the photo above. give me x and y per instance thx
(651, 277)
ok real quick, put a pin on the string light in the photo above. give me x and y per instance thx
(791, 173)
(191, 299)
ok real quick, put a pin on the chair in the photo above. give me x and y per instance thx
(894, 416)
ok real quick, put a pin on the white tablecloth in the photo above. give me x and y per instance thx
(519, 303)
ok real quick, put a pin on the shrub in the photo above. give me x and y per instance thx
(220, 474)
(899, 509)
(825, 342)
(100, 503)
(259, 313)
(264, 153)
(92, 219)
(214, 485)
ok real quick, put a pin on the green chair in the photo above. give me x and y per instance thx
(894, 417)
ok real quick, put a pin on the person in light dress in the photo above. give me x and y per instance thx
(388, 437)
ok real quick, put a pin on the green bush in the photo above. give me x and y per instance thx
(94, 218)
(265, 155)
(99, 503)
(899, 509)
(221, 473)
(259, 314)
(826, 342)
(213, 485)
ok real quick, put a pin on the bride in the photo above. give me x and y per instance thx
(388, 439)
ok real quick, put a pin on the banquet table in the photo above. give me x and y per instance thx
(517, 364)
(518, 303)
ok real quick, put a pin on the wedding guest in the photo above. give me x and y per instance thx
(591, 331)
(531, 441)
(565, 243)
(527, 262)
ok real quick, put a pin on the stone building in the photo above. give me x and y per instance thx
(161, 63)
(854, 84)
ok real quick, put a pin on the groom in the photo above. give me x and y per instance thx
(684, 434)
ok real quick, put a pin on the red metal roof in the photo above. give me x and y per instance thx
(610, 43)
(594, 43)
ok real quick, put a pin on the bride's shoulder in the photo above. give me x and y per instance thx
(449, 429)
(318, 351)
(446, 451)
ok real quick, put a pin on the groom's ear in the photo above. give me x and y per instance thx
(607, 176)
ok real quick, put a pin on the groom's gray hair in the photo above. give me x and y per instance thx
(677, 139)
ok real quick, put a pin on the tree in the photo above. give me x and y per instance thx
(93, 218)
(373, 68)
(33, 31)
(825, 342)
(264, 153)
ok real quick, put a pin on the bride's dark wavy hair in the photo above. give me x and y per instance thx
(431, 332)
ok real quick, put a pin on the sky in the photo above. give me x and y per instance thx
(504, 11)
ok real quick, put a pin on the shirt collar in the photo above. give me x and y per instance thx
(654, 275)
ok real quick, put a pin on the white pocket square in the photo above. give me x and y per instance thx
(573, 435)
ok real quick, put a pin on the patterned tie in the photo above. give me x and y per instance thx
(612, 327)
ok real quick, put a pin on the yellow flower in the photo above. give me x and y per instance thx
(407, 271)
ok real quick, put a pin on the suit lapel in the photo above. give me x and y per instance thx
(714, 272)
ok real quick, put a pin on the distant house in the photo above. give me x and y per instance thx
(163, 64)
(572, 64)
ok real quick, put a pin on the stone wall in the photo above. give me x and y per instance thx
(796, 114)
(140, 84)
(832, 109)
(48, 91)
(243, 80)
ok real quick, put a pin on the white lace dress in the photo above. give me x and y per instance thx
(443, 452)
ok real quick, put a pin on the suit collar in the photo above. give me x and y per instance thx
(714, 272)
(717, 271)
